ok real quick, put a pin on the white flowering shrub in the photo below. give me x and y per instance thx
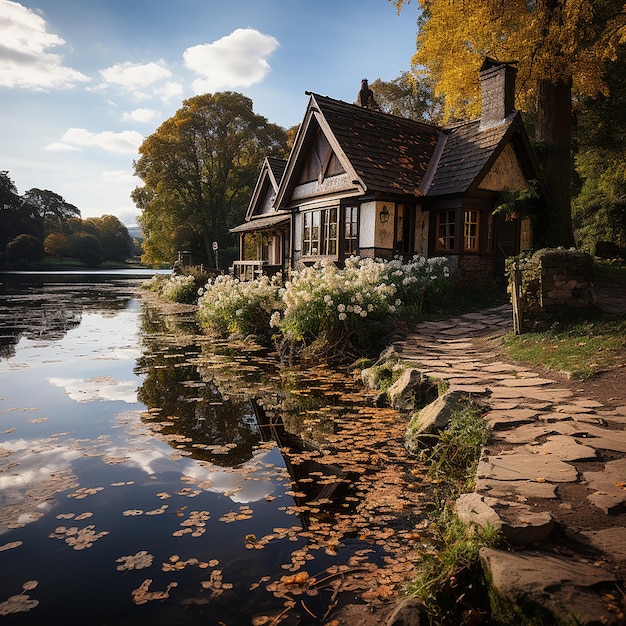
(181, 288)
(340, 308)
(227, 304)
(324, 300)
(155, 283)
(421, 283)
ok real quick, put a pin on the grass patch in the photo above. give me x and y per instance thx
(454, 459)
(450, 582)
(579, 348)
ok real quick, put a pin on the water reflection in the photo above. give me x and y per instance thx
(44, 307)
(198, 497)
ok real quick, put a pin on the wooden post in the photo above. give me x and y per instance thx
(516, 298)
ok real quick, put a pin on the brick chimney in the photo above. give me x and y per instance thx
(497, 88)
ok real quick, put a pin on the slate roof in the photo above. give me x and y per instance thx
(466, 153)
(278, 168)
(389, 154)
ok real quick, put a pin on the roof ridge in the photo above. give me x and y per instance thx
(430, 125)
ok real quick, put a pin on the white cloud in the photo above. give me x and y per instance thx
(140, 115)
(133, 76)
(57, 146)
(24, 57)
(237, 60)
(119, 176)
(126, 142)
(168, 91)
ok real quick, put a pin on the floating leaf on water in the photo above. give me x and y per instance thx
(10, 546)
(141, 595)
(18, 604)
(140, 560)
(132, 512)
(83, 492)
(78, 539)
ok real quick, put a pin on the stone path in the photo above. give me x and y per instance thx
(553, 478)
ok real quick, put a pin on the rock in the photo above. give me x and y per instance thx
(519, 524)
(402, 393)
(515, 488)
(526, 466)
(523, 526)
(472, 509)
(611, 541)
(609, 486)
(541, 583)
(407, 613)
(431, 420)
(564, 448)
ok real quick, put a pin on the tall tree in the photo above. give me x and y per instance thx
(16, 216)
(561, 47)
(114, 237)
(52, 208)
(199, 168)
(408, 96)
(599, 209)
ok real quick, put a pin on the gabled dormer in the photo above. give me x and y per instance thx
(318, 165)
(264, 194)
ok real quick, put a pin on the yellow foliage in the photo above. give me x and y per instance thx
(554, 40)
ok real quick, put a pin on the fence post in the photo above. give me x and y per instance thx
(516, 298)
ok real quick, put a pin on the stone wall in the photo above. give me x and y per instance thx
(554, 280)
(475, 269)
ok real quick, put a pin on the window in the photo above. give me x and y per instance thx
(350, 230)
(470, 231)
(446, 222)
(319, 233)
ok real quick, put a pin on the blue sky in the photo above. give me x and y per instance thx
(82, 82)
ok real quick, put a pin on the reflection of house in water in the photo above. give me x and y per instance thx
(321, 488)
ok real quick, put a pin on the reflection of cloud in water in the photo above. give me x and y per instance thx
(26, 495)
(101, 388)
(246, 483)
(34, 464)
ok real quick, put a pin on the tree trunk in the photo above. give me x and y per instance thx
(554, 132)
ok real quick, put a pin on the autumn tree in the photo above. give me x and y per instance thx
(114, 238)
(561, 48)
(407, 97)
(57, 244)
(198, 170)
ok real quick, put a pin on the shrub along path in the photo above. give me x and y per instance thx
(553, 477)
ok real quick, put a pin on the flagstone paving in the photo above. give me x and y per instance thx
(556, 462)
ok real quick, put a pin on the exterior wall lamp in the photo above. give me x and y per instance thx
(384, 214)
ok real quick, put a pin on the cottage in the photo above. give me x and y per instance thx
(362, 182)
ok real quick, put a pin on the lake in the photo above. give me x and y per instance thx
(151, 474)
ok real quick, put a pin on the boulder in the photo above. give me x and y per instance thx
(402, 393)
(431, 420)
(551, 588)
(518, 523)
